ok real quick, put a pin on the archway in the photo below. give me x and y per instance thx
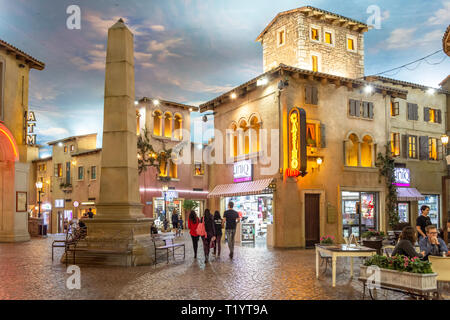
(9, 154)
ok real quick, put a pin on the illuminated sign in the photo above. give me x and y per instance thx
(170, 195)
(29, 124)
(59, 203)
(242, 171)
(76, 204)
(46, 206)
(402, 177)
(297, 143)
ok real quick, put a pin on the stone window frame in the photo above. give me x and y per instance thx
(279, 30)
(319, 60)
(90, 173)
(333, 37)
(355, 42)
(360, 141)
(319, 33)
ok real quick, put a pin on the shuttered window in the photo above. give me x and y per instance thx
(432, 149)
(395, 144)
(395, 108)
(432, 115)
(413, 111)
(311, 95)
(360, 109)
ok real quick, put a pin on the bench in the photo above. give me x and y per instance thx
(73, 234)
(119, 244)
(169, 243)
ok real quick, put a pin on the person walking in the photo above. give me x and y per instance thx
(210, 233)
(218, 226)
(175, 219)
(193, 222)
(231, 217)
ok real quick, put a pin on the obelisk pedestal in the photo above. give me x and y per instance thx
(119, 211)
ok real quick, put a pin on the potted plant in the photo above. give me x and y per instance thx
(327, 240)
(373, 235)
(401, 271)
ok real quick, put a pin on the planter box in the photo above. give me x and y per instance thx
(418, 281)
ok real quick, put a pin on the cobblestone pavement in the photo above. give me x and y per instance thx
(27, 272)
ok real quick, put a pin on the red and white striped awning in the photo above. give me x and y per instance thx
(240, 189)
(409, 194)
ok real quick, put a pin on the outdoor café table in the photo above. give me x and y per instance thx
(341, 250)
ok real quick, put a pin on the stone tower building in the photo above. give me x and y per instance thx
(314, 39)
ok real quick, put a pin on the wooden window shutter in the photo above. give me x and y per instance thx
(351, 104)
(416, 111)
(308, 94)
(323, 142)
(438, 116)
(410, 111)
(404, 146)
(423, 148)
(365, 109)
(440, 150)
(315, 97)
(56, 170)
(357, 108)
(426, 114)
(371, 110)
(343, 153)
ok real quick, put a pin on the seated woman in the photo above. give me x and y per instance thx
(405, 245)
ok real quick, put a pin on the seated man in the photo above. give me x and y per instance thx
(432, 244)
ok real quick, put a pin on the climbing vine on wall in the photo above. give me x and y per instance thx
(148, 157)
(386, 165)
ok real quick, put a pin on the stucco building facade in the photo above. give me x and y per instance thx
(17, 142)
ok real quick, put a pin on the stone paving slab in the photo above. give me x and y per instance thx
(255, 273)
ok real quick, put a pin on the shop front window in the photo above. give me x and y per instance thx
(359, 212)
(403, 212)
(431, 200)
(254, 209)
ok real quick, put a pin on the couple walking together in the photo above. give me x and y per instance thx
(213, 229)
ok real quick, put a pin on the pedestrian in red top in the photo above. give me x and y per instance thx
(193, 222)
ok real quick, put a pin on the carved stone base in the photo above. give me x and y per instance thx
(108, 239)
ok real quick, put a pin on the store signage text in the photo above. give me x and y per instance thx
(29, 124)
(297, 143)
(402, 177)
(46, 206)
(170, 195)
(242, 171)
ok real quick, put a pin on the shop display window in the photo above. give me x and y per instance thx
(359, 212)
(431, 200)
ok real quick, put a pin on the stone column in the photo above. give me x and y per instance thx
(119, 211)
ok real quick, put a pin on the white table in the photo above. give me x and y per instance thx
(341, 250)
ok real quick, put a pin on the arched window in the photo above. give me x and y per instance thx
(367, 151)
(178, 126)
(244, 138)
(157, 123)
(255, 126)
(173, 170)
(234, 141)
(352, 151)
(168, 125)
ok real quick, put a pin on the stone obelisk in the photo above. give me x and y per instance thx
(119, 211)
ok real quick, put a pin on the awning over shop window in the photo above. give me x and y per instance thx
(409, 194)
(241, 189)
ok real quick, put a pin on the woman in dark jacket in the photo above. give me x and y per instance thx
(210, 233)
(218, 229)
(405, 245)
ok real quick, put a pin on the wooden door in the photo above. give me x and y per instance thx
(312, 219)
